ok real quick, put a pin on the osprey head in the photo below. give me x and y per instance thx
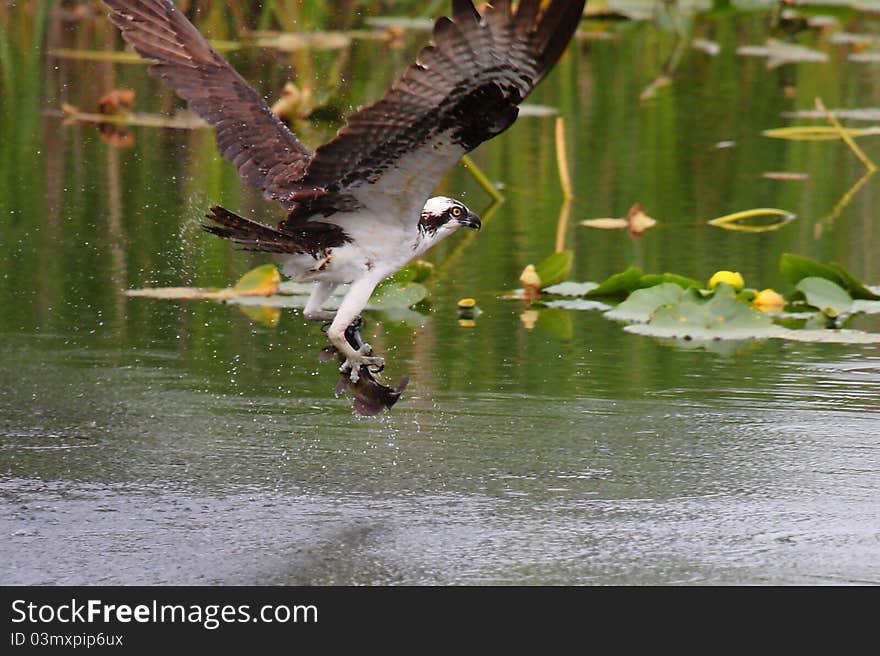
(442, 216)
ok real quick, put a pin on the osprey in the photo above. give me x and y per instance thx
(358, 207)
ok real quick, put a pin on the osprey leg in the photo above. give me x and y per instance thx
(349, 311)
(314, 310)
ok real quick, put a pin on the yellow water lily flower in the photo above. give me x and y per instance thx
(732, 278)
(768, 300)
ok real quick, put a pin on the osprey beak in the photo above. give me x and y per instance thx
(470, 221)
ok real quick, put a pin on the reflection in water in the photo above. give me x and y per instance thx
(370, 396)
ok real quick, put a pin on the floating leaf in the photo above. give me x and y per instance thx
(842, 336)
(864, 114)
(262, 281)
(181, 121)
(795, 268)
(651, 279)
(721, 317)
(302, 41)
(398, 296)
(869, 57)
(784, 175)
(639, 306)
(866, 307)
(826, 296)
(780, 52)
(555, 268)
(711, 48)
(606, 224)
(736, 220)
(539, 111)
(620, 285)
(817, 132)
(170, 293)
(569, 288)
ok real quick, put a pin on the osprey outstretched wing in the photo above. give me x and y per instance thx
(462, 90)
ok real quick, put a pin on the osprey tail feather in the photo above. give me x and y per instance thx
(313, 237)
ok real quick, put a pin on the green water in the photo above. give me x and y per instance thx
(146, 441)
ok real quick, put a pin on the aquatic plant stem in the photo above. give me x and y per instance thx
(565, 182)
(845, 136)
(481, 178)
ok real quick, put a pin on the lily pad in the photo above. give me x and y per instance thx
(721, 317)
(569, 288)
(826, 296)
(865, 307)
(620, 285)
(780, 52)
(639, 306)
(262, 281)
(398, 296)
(795, 268)
(651, 279)
(555, 269)
(843, 336)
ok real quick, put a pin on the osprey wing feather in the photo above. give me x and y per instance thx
(462, 90)
(266, 153)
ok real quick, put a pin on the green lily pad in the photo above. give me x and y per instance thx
(620, 285)
(400, 296)
(795, 268)
(555, 269)
(651, 279)
(261, 280)
(842, 336)
(721, 317)
(865, 307)
(639, 306)
(825, 295)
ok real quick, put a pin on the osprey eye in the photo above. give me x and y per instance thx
(456, 211)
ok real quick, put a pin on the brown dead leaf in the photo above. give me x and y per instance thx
(638, 221)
